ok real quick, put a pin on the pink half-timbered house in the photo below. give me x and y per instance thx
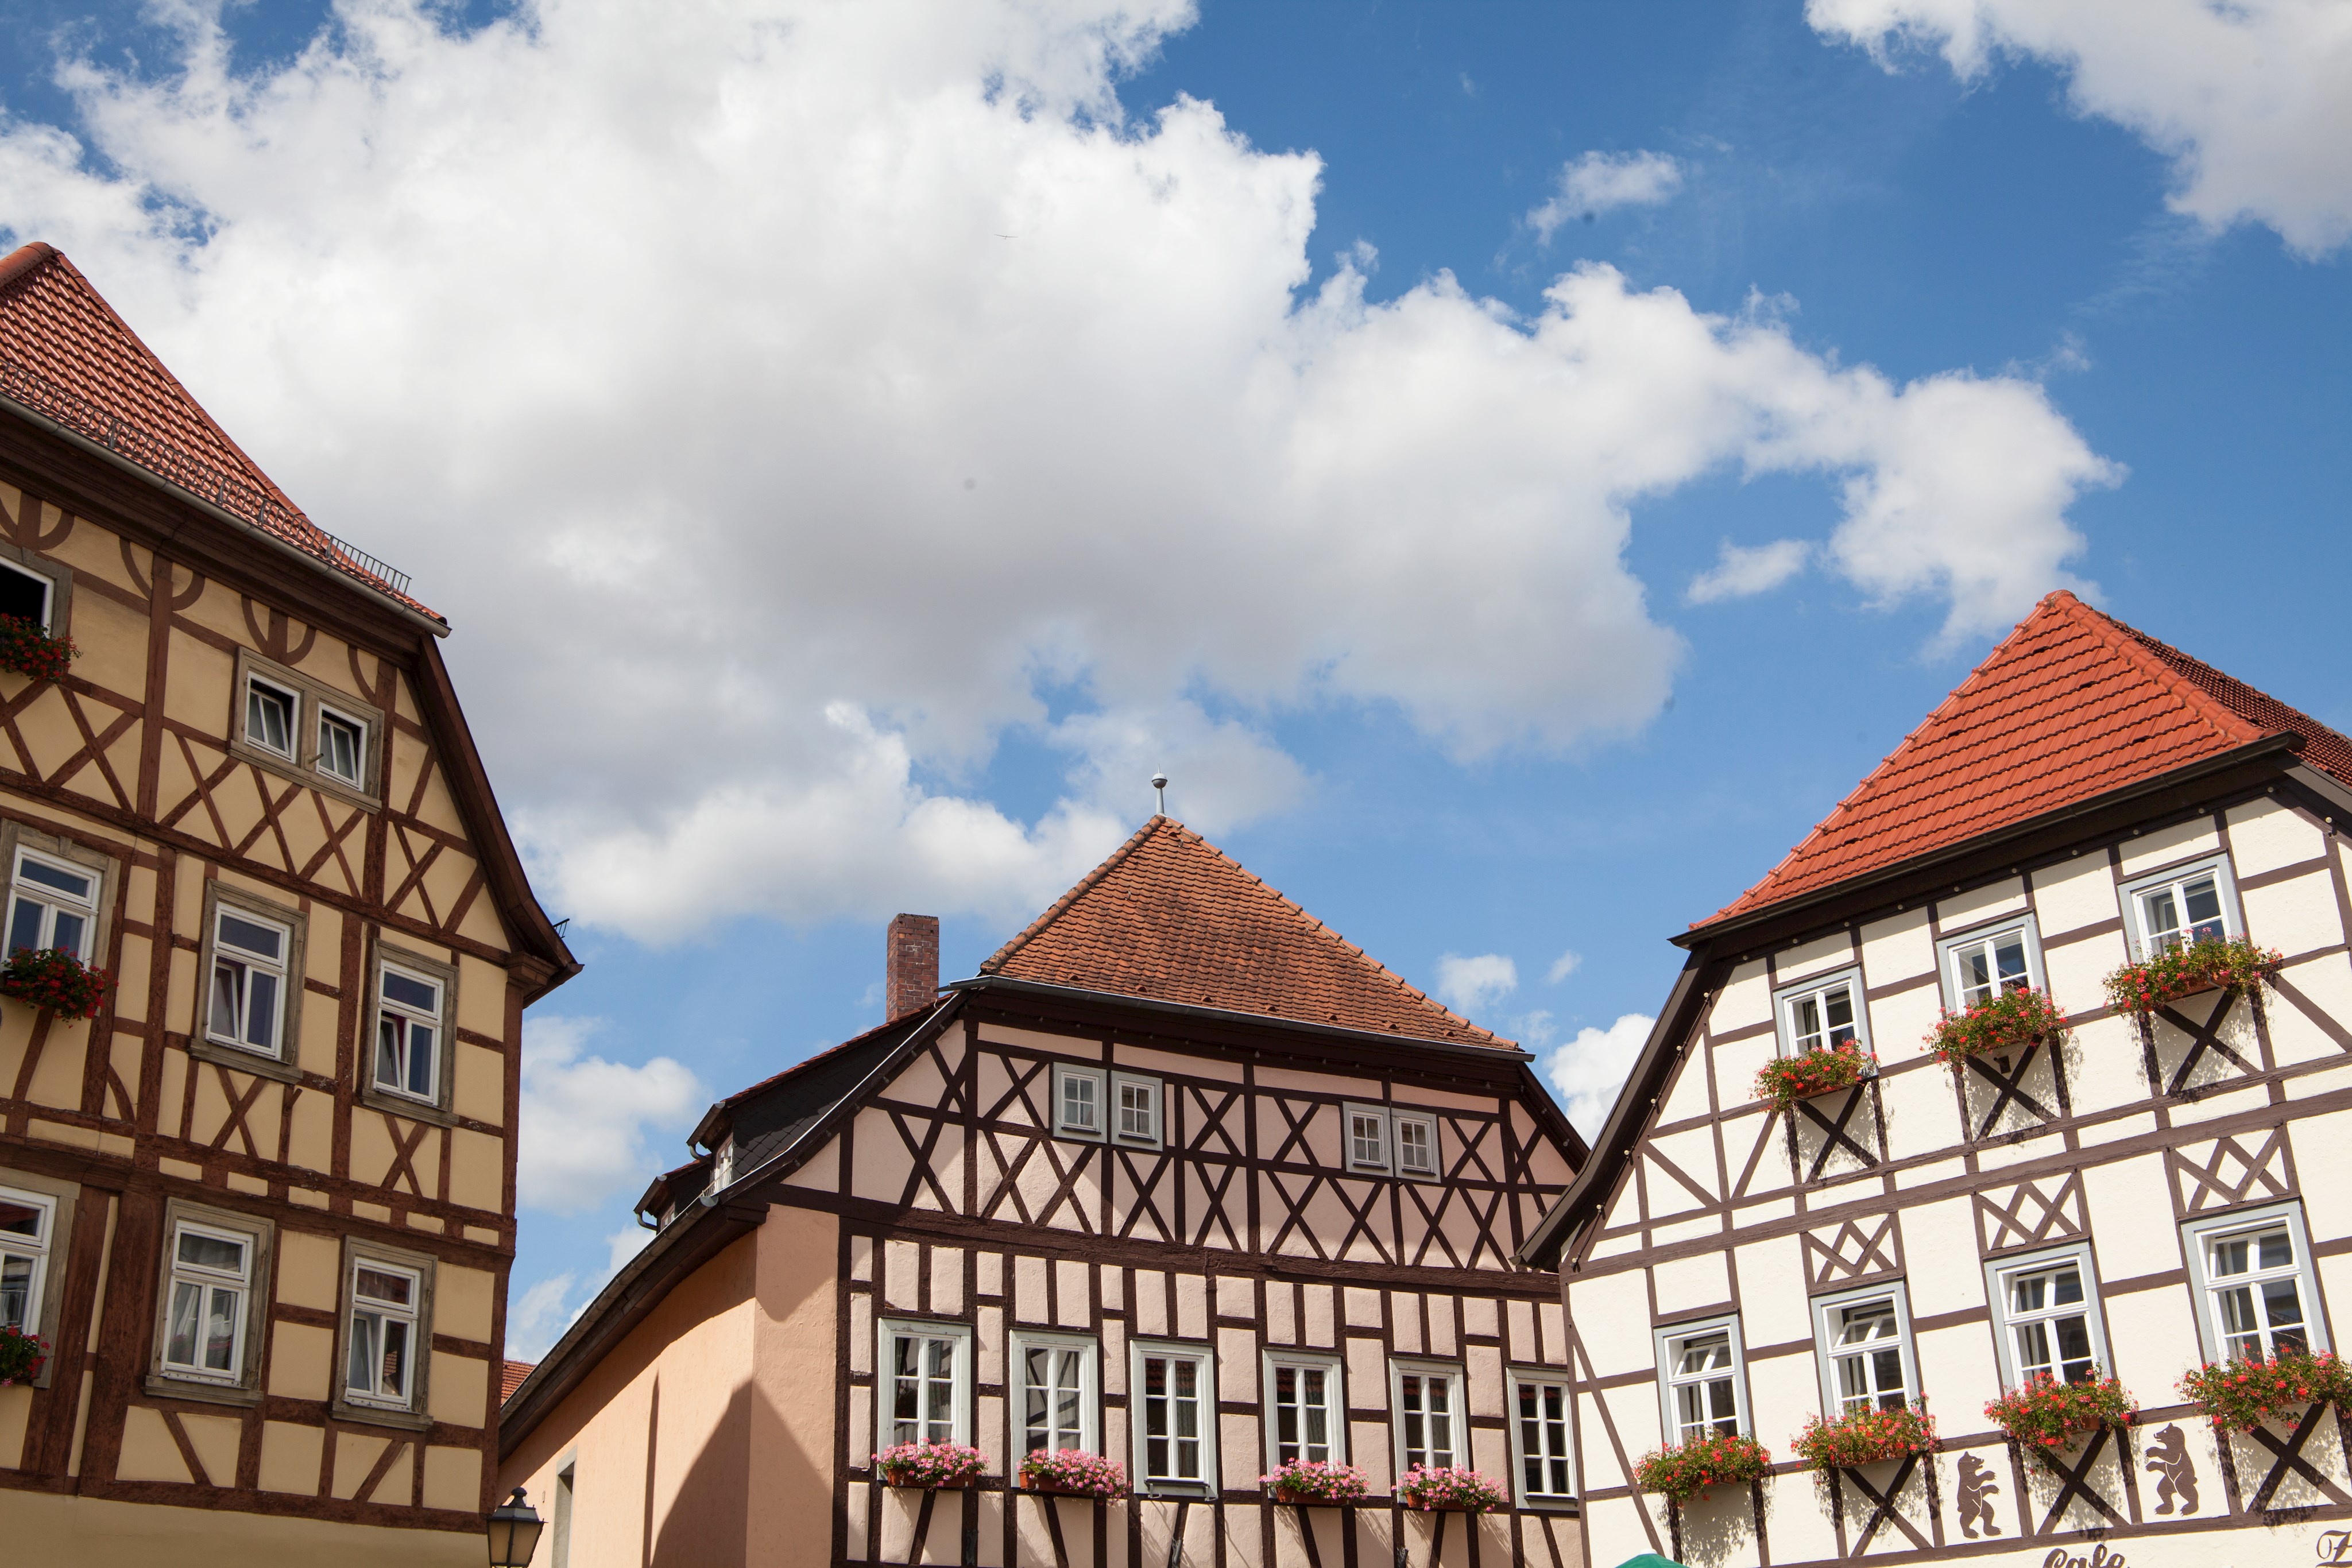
(1181, 1178)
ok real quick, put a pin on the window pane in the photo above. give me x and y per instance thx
(220, 1330)
(67, 881)
(211, 1252)
(228, 998)
(338, 746)
(360, 1377)
(261, 1021)
(1805, 1017)
(24, 596)
(24, 924)
(268, 717)
(65, 934)
(2231, 1257)
(2203, 900)
(394, 1382)
(15, 1291)
(2276, 1251)
(2163, 915)
(420, 1060)
(390, 1042)
(417, 994)
(20, 1219)
(2009, 958)
(379, 1285)
(187, 1306)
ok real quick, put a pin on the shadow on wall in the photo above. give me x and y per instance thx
(707, 1520)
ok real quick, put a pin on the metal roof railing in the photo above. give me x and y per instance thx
(232, 493)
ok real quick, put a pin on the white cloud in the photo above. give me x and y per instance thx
(1741, 572)
(537, 1318)
(1598, 181)
(769, 488)
(1564, 965)
(1469, 986)
(624, 1245)
(581, 1139)
(1589, 1070)
(2251, 99)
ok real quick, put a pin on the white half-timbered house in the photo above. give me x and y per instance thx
(1181, 1178)
(2157, 1193)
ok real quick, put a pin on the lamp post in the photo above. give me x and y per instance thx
(514, 1532)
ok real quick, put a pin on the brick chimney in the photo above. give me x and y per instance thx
(911, 966)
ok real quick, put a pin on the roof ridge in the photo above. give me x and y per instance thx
(25, 261)
(1022, 937)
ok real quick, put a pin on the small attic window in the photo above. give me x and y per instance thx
(25, 595)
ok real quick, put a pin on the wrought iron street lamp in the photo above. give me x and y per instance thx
(514, 1532)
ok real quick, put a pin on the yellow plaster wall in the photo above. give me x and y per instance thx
(47, 1527)
(289, 1458)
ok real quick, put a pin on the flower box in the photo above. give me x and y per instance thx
(1067, 1473)
(1448, 1490)
(931, 1467)
(1686, 1472)
(1785, 1080)
(2240, 1395)
(54, 978)
(1311, 1483)
(2010, 1021)
(22, 1356)
(2236, 964)
(2048, 1414)
(1865, 1437)
(26, 650)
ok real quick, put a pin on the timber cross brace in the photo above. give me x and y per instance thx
(1834, 1136)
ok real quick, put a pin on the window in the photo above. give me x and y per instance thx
(27, 1219)
(1368, 1137)
(1701, 1379)
(1175, 1403)
(381, 1341)
(248, 989)
(2046, 1313)
(1416, 1144)
(2253, 1280)
(52, 902)
(415, 999)
(1056, 1401)
(1984, 964)
(1865, 1346)
(343, 746)
(1079, 1101)
(2188, 903)
(925, 1383)
(1540, 1436)
(1309, 1413)
(566, 1482)
(1136, 1109)
(269, 711)
(1821, 1015)
(1428, 1405)
(25, 595)
(208, 1290)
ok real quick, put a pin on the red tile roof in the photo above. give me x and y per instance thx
(510, 1376)
(2073, 704)
(1172, 917)
(66, 355)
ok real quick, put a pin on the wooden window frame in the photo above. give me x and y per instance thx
(1016, 1388)
(1335, 1368)
(1997, 1272)
(1456, 1411)
(1398, 1121)
(260, 1289)
(1063, 1073)
(1669, 1340)
(1785, 998)
(2136, 889)
(16, 837)
(287, 1064)
(61, 1199)
(443, 973)
(1515, 1379)
(1351, 1158)
(2198, 1234)
(414, 1415)
(56, 574)
(1948, 950)
(1115, 1122)
(1825, 1348)
(887, 1329)
(1211, 1428)
(310, 696)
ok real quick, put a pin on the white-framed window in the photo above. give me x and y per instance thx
(271, 713)
(1823, 1013)
(1367, 1133)
(1430, 1422)
(2256, 1294)
(381, 1339)
(1172, 1405)
(27, 1226)
(247, 1001)
(1864, 1339)
(1416, 1143)
(1988, 961)
(1702, 1379)
(1540, 1439)
(209, 1287)
(2192, 903)
(1079, 1101)
(343, 746)
(407, 1031)
(1135, 1110)
(1054, 1400)
(52, 902)
(2046, 1315)
(1306, 1408)
(27, 594)
(923, 1390)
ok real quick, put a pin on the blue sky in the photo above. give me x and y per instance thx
(856, 448)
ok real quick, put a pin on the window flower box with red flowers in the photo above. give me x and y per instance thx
(1314, 1483)
(1067, 1473)
(1865, 1437)
(931, 1467)
(2240, 1395)
(2237, 964)
(54, 978)
(1686, 1470)
(1440, 1489)
(22, 1356)
(1998, 1025)
(26, 650)
(1785, 1080)
(2048, 1414)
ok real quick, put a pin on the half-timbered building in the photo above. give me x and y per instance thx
(2161, 1191)
(262, 1205)
(1181, 1178)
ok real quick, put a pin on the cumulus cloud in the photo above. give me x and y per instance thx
(1598, 181)
(2251, 100)
(1564, 965)
(537, 1318)
(1741, 572)
(1589, 1070)
(1469, 986)
(582, 1138)
(790, 404)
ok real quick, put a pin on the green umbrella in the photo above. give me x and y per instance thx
(1649, 1560)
